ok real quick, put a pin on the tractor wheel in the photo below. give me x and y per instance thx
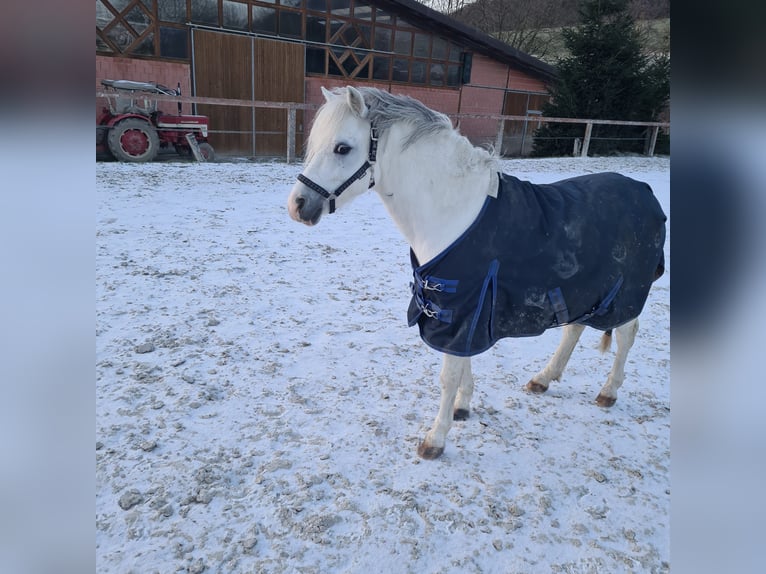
(207, 151)
(183, 150)
(134, 140)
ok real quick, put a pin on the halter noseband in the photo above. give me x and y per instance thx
(358, 174)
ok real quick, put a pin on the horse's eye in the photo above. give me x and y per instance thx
(342, 149)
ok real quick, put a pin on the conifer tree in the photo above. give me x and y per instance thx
(607, 76)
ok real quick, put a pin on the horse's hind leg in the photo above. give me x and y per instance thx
(625, 335)
(555, 367)
(464, 394)
(454, 369)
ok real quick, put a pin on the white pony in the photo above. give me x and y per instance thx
(435, 184)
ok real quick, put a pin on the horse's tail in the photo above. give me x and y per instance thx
(606, 341)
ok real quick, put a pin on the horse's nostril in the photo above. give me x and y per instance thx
(299, 201)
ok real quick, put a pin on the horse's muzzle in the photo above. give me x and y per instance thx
(304, 205)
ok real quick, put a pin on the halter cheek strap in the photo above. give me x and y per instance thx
(357, 175)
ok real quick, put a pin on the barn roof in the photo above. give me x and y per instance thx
(434, 21)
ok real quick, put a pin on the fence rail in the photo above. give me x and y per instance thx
(292, 107)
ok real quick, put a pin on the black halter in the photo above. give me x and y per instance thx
(358, 174)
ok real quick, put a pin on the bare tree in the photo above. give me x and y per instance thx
(446, 6)
(523, 24)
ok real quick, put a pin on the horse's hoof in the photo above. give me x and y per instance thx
(604, 401)
(535, 387)
(429, 452)
(460, 414)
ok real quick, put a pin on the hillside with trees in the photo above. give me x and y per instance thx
(536, 26)
(608, 75)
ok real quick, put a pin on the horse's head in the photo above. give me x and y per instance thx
(340, 153)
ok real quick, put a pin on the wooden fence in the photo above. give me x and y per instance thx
(291, 107)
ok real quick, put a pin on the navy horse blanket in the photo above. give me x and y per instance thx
(582, 250)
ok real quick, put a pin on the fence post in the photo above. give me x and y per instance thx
(649, 149)
(290, 134)
(586, 139)
(499, 138)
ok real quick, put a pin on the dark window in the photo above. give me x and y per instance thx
(381, 68)
(102, 46)
(173, 43)
(383, 39)
(422, 45)
(349, 35)
(315, 58)
(291, 3)
(120, 37)
(120, 5)
(172, 11)
(317, 5)
(366, 33)
(138, 20)
(205, 12)
(316, 29)
(146, 46)
(439, 48)
(401, 71)
(234, 15)
(290, 24)
(453, 76)
(341, 7)
(454, 53)
(264, 20)
(104, 16)
(362, 10)
(332, 65)
(418, 72)
(335, 25)
(382, 17)
(347, 61)
(436, 78)
(363, 72)
(403, 42)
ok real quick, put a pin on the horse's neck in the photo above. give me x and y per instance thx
(431, 193)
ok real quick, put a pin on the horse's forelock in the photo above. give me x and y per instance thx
(330, 114)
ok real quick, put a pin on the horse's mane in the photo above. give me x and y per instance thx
(387, 109)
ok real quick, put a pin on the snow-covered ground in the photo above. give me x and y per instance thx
(260, 398)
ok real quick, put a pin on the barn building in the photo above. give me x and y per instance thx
(285, 50)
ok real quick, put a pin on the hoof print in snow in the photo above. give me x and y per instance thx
(145, 348)
(130, 499)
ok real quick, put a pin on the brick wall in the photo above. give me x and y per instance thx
(484, 95)
(165, 73)
(488, 72)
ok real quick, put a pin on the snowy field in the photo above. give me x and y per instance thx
(260, 398)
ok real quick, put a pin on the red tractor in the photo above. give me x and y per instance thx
(132, 129)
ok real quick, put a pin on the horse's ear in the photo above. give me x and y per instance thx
(328, 95)
(356, 102)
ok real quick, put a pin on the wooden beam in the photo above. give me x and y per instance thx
(652, 141)
(290, 135)
(499, 138)
(586, 139)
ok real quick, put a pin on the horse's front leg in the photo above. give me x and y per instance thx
(454, 371)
